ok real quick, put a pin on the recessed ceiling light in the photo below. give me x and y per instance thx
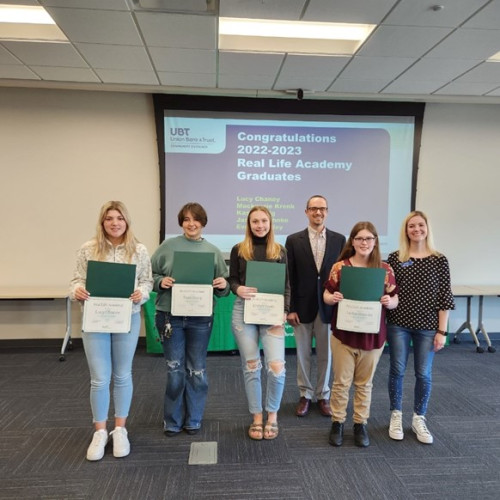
(24, 14)
(27, 23)
(494, 58)
(262, 35)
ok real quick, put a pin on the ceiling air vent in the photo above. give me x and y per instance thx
(180, 6)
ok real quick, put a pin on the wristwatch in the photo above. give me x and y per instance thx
(442, 332)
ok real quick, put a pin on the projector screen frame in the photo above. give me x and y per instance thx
(277, 106)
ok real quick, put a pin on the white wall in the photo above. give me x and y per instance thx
(458, 186)
(64, 153)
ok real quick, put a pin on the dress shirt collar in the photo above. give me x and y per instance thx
(313, 233)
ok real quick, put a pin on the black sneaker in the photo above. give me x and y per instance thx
(336, 434)
(170, 434)
(361, 435)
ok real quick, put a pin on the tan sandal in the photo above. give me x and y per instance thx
(256, 432)
(271, 430)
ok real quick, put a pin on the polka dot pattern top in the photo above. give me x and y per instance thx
(424, 289)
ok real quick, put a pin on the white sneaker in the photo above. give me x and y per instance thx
(396, 426)
(419, 427)
(121, 445)
(96, 449)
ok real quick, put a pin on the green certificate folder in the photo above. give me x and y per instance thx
(362, 283)
(110, 279)
(267, 277)
(193, 268)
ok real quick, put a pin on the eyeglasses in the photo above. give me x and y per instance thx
(315, 209)
(369, 239)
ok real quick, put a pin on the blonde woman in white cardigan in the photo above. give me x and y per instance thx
(110, 355)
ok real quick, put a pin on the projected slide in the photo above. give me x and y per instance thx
(228, 164)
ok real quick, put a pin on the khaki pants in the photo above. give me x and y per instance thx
(350, 366)
(304, 334)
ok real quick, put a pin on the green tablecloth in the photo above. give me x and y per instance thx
(222, 338)
(153, 343)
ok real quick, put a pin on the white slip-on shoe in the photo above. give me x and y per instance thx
(419, 427)
(396, 426)
(121, 444)
(96, 449)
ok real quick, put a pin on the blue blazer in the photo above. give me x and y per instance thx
(305, 281)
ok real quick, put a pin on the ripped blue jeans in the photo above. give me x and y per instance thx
(185, 354)
(272, 339)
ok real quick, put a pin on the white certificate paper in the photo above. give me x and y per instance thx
(106, 314)
(359, 316)
(264, 309)
(192, 300)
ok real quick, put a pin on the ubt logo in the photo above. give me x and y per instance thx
(180, 131)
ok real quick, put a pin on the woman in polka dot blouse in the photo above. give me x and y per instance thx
(421, 318)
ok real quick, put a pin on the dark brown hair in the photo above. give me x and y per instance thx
(197, 211)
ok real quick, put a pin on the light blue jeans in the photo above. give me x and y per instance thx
(273, 343)
(111, 355)
(423, 354)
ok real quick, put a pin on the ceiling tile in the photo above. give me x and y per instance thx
(468, 44)
(487, 72)
(237, 64)
(442, 70)
(187, 79)
(97, 26)
(21, 2)
(357, 86)
(487, 18)
(454, 13)
(309, 72)
(65, 74)
(46, 54)
(466, 88)
(376, 68)
(254, 81)
(178, 30)
(495, 92)
(183, 60)
(348, 11)
(413, 86)
(6, 57)
(416, 52)
(269, 9)
(115, 56)
(87, 4)
(15, 72)
(402, 41)
(319, 66)
(127, 77)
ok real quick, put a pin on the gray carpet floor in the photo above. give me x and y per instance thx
(46, 427)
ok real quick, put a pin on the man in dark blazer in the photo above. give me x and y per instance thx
(311, 255)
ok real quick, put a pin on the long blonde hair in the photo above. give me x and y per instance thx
(404, 241)
(245, 248)
(101, 243)
(375, 260)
